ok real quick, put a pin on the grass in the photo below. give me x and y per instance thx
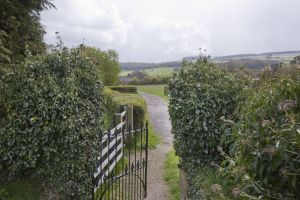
(125, 72)
(21, 190)
(136, 100)
(171, 174)
(161, 71)
(153, 137)
(157, 90)
(125, 98)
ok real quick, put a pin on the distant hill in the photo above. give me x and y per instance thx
(258, 56)
(142, 66)
(255, 61)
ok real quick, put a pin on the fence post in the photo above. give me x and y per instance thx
(130, 116)
(126, 118)
(118, 119)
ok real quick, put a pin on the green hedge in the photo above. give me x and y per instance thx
(124, 89)
(265, 141)
(200, 94)
(237, 138)
(115, 100)
(53, 109)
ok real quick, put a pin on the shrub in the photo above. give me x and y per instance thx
(118, 100)
(200, 94)
(124, 89)
(259, 144)
(148, 80)
(266, 139)
(53, 116)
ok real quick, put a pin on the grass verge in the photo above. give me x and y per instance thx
(171, 174)
(154, 138)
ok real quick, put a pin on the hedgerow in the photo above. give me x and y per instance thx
(200, 94)
(116, 100)
(53, 114)
(265, 148)
(247, 130)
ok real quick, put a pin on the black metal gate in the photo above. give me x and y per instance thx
(122, 165)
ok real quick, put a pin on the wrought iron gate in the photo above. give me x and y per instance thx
(122, 165)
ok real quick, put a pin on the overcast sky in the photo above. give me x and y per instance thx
(166, 30)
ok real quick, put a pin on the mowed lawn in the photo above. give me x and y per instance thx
(157, 90)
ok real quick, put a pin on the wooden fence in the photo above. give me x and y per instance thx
(111, 148)
(127, 149)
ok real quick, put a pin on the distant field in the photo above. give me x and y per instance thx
(161, 71)
(125, 72)
(157, 90)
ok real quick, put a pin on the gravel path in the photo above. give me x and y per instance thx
(158, 109)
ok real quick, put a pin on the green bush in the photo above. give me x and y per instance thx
(257, 132)
(266, 139)
(118, 100)
(200, 94)
(53, 114)
(149, 80)
(124, 89)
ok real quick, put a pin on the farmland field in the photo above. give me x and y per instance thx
(161, 72)
(157, 90)
(125, 72)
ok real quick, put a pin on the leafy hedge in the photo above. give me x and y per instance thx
(148, 80)
(53, 114)
(200, 94)
(237, 138)
(116, 100)
(266, 139)
(124, 89)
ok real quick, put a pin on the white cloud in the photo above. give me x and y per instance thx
(156, 30)
(171, 39)
(95, 23)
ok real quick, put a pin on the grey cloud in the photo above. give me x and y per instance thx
(153, 31)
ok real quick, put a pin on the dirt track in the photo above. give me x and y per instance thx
(158, 109)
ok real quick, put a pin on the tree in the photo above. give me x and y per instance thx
(20, 20)
(296, 60)
(108, 63)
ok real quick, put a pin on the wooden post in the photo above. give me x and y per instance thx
(126, 117)
(129, 116)
(118, 118)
